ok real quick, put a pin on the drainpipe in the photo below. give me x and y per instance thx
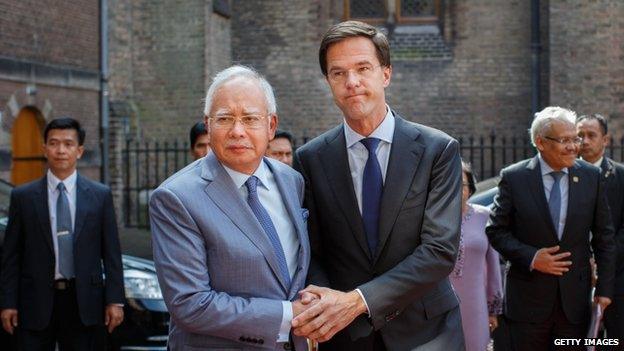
(104, 110)
(536, 47)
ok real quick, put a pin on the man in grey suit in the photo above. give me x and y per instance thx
(384, 198)
(230, 242)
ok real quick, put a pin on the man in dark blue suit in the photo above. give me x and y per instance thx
(541, 221)
(60, 239)
(594, 131)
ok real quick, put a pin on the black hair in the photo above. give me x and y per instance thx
(198, 129)
(472, 180)
(284, 134)
(602, 121)
(65, 123)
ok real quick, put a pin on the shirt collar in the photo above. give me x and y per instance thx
(546, 169)
(70, 182)
(598, 163)
(262, 172)
(384, 131)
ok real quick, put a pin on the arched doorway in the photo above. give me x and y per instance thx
(27, 146)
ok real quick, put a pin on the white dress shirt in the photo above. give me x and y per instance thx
(53, 194)
(358, 155)
(548, 181)
(272, 201)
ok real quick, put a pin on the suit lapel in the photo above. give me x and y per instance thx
(335, 163)
(536, 187)
(405, 155)
(223, 193)
(40, 202)
(82, 201)
(293, 207)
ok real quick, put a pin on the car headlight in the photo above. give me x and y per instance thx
(141, 285)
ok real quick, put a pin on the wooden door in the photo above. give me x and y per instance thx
(27, 146)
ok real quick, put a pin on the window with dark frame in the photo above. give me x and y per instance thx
(405, 11)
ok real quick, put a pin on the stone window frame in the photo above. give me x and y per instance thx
(397, 14)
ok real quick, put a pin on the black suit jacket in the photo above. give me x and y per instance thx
(405, 284)
(520, 224)
(613, 176)
(27, 277)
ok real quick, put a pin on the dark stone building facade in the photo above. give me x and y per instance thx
(49, 67)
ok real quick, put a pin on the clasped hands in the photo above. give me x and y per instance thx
(322, 312)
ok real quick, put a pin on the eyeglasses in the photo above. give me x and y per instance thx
(361, 72)
(248, 121)
(566, 141)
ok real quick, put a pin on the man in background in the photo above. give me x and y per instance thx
(60, 240)
(594, 131)
(548, 242)
(200, 140)
(281, 147)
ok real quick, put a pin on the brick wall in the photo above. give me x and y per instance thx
(162, 53)
(587, 58)
(55, 31)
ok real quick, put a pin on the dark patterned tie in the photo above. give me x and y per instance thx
(64, 234)
(372, 186)
(554, 202)
(265, 221)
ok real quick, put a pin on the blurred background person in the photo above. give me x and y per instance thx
(200, 140)
(593, 129)
(281, 147)
(477, 276)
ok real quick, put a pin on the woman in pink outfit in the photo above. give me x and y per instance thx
(476, 277)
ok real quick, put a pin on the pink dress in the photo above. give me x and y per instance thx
(477, 279)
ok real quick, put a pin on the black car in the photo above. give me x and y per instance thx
(146, 320)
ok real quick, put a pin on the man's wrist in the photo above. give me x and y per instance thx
(361, 306)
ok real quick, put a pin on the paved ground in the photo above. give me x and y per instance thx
(136, 242)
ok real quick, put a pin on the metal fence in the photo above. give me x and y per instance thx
(146, 165)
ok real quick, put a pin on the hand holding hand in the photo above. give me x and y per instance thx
(113, 316)
(332, 313)
(9, 319)
(548, 261)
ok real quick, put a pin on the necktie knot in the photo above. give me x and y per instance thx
(557, 175)
(370, 144)
(61, 187)
(252, 184)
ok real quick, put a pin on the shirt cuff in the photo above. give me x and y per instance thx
(287, 316)
(532, 262)
(116, 304)
(363, 299)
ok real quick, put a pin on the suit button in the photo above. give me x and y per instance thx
(287, 346)
(261, 341)
(241, 338)
(254, 340)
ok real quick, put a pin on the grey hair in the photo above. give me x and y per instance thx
(237, 71)
(545, 118)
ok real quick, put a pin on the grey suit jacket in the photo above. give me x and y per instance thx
(216, 267)
(405, 283)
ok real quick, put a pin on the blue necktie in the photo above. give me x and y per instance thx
(265, 221)
(372, 185)
(554, 202)
(64, 234)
